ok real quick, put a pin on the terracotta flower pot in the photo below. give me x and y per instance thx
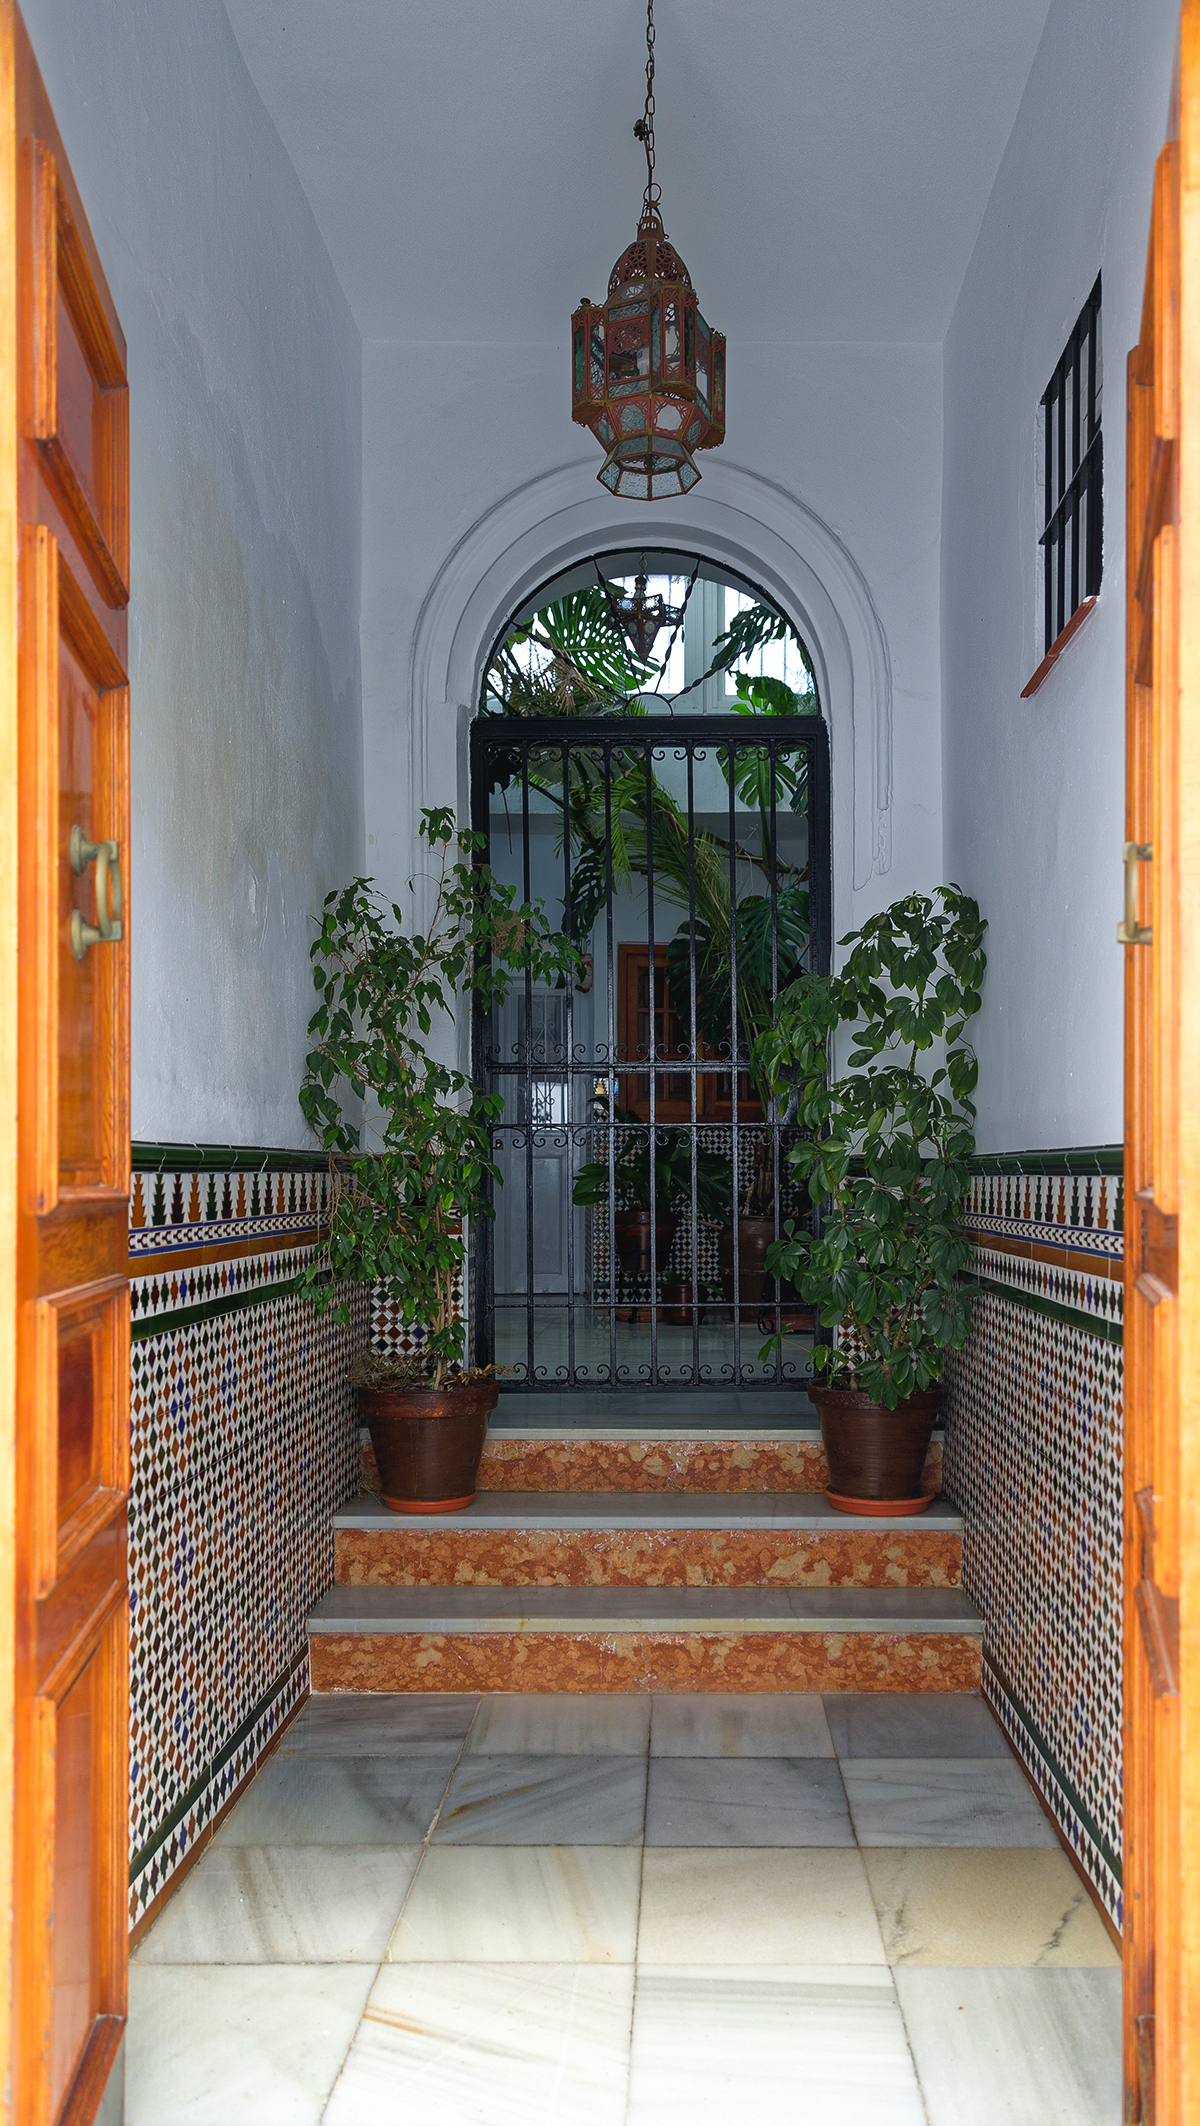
(428, 1443)
(677, 1309)
(631, 1231)
(754, 1236)
(876, 1457)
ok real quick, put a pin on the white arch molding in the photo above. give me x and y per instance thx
(736, 517)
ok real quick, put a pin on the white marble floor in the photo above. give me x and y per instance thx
(620, 1911)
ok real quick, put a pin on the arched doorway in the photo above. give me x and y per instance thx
(651, 762)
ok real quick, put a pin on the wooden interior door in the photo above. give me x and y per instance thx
(70, 1689)
(1162, 1145)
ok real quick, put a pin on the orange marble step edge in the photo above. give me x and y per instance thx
(646, 1661)
(416, 1555)
(514, 1464)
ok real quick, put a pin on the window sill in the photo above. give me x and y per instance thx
(1058, 646)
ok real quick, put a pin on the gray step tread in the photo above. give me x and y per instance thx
(463, 1610)
(578, 1511)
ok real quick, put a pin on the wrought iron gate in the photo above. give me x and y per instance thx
(644, 1169)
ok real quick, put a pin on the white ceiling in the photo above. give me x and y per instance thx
(825, 164)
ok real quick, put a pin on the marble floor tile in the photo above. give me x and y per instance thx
(489, 2045)
(902, 1801)
(238, 2046)
(743, 1905)
(746, 1801)
(284, 1905)
(562, 1723)
(913, 1724)
(533, 1800)
(776, 2046)
(339, 1801)
(986, 1906)
(369, 1723)
(494, 1904)
(739, 1724)
(1016, 2048)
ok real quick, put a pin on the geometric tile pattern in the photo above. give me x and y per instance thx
(244, 1441)
(175, 1208)
(164, 1293)
(1055, 1238)
(1033, 1458)
(1091, 1297)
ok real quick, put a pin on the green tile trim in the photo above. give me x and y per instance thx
(1085, 1159)
(1088, 1821)
(1112, 1332)
(224, 1159)
(163, 1324)
(205, 1778)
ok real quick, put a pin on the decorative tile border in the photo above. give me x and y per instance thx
(244, 1437)
(1092, 1849)
(1048, 1232)
(152, 1868)
(1034, 1442)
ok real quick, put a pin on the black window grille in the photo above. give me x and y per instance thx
(1072, 538)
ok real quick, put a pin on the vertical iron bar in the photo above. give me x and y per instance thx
(772, 1104)
(1076, 454)
(611, 1079)
(526, 896)
(482, 1301)
(693, 1050)
(734, 1044)
(1047, 556)
(569, 1069)
(647, 754)
(1060, 541)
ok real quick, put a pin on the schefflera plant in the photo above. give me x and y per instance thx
(401, 1205)
(888, 1144)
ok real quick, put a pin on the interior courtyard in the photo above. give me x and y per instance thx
(654, 1781)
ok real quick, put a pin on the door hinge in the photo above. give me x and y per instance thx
(1158, 1615)
(1158, 1266)
(1131, 932)
(1144, 2027)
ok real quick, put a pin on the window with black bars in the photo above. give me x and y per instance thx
(1073, 461)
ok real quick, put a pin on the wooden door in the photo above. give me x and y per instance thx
(1162, 1145)
(66, 358)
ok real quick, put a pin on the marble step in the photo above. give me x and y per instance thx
(659, 1452)
(655, 1539)
(644, 1638)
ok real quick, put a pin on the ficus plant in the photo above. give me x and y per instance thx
(887, 1142)
(409, 1136)
(672, 1171)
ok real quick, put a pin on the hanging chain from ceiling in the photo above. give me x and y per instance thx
(644, 128)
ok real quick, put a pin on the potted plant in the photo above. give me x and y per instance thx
(403, 1201)
(886, 1157)
(633, 1216)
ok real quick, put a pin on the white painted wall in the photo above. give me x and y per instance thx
(245, 374)
(852, 433)
(1035, 789)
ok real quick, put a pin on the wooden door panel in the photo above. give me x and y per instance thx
(71, 1682)
(79, 387)
(81, 1363)
(71, 1993)
(1162, 1154)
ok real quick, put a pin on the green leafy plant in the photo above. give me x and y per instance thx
(387, 996)
(672, 1172)
(887, 1143)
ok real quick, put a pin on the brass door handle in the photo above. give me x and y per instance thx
(108, 928)
(1131, 932)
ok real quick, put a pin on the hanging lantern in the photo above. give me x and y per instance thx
(648, 374)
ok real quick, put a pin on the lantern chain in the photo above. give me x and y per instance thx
(644, 128)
